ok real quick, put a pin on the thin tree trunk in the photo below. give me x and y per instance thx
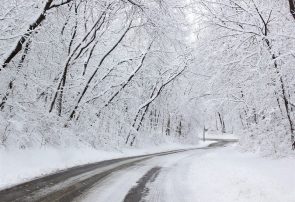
(292, 8)
(168, 126)
(274, 57)
(156, 92)
(124, 84)
(292, 11)
(8, 92)
(96, 70)
(60, 89)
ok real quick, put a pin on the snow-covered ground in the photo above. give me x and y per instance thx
(226, 175)
(223, 175)
(219, 174)
(224, 136)
(17, 166)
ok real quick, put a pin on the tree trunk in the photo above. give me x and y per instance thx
(19, 44)
(292, 8)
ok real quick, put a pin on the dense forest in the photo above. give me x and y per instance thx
(131, 73)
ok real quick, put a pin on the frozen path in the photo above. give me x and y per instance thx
(68, 184)
(220, 174)
(216, 173)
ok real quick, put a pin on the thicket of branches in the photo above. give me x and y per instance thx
(93, 72)
(248, 52)
(126, 72)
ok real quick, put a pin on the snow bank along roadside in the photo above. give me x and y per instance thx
(242, 177)
(226, 175)
(223, 174)
(17, 166)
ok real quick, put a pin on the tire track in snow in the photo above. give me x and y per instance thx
(138, 192)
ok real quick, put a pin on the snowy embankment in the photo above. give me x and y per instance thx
(17, 166)
(226, 175)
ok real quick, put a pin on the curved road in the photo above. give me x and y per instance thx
(79, 183)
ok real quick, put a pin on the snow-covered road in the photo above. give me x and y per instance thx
(215, 173)
(220, 174)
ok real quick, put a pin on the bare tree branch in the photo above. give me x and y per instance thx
(19, 44)
(96, 70)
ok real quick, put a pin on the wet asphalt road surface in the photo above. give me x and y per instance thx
(66, 185)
